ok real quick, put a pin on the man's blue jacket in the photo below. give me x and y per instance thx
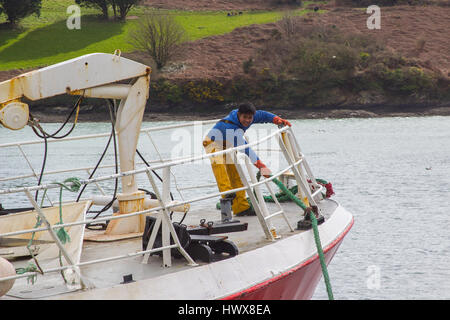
(232, 131)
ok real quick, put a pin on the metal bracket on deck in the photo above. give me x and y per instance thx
(163, 222)
(241, 161)
(199, 242)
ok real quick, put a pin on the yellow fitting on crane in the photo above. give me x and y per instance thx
(14, 115)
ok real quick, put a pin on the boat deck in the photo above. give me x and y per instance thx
(109, 274)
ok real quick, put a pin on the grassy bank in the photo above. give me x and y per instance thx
(302, 64)
(45, 40)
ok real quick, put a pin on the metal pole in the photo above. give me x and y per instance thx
(301, 184)
(165, 219)
(55, 237)
(252, 197)
(279, 207)
(165, 233)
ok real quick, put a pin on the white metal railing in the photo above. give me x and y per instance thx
(296, 163)
(147, 131)
(100, 135)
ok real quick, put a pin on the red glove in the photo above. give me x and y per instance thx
(277, 120)
(264, 170)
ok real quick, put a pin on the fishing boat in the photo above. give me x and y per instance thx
(77, 234)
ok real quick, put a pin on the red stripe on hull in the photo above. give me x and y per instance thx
(299, 283)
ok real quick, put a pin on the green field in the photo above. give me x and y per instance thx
(46, 40)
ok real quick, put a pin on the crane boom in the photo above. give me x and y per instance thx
(93, 75)
(88, 71)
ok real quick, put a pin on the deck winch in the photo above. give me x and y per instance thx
(199, 241)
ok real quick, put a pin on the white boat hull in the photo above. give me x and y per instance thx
(284, 269)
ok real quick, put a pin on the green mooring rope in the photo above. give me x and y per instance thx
(281, 197)
(289, 194)
(316, 235)
(73, 185)
(62, 234)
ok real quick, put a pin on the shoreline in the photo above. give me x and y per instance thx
(157, 116)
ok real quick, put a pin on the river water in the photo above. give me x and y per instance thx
(393, 174)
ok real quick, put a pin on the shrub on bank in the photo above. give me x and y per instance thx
(408, 80)
(165, 91)
(15, 10)
(119, 7)
(204, 91)
(323, 63)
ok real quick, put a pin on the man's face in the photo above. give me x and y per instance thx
(245, 119)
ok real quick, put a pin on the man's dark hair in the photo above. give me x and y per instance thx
(246, 107)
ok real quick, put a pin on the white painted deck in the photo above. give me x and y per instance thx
(109, 274)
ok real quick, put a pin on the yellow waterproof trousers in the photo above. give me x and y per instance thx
(226, 175)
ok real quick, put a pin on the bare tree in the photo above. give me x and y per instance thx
(289, 24)
(123, 6)
(159, 35)
(98, 4)
(16, 10)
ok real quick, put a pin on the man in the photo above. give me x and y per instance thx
(228, 133)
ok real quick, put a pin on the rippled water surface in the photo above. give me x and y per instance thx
(393, 174)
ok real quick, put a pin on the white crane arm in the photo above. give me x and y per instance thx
(81, 73)
(92, 75)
